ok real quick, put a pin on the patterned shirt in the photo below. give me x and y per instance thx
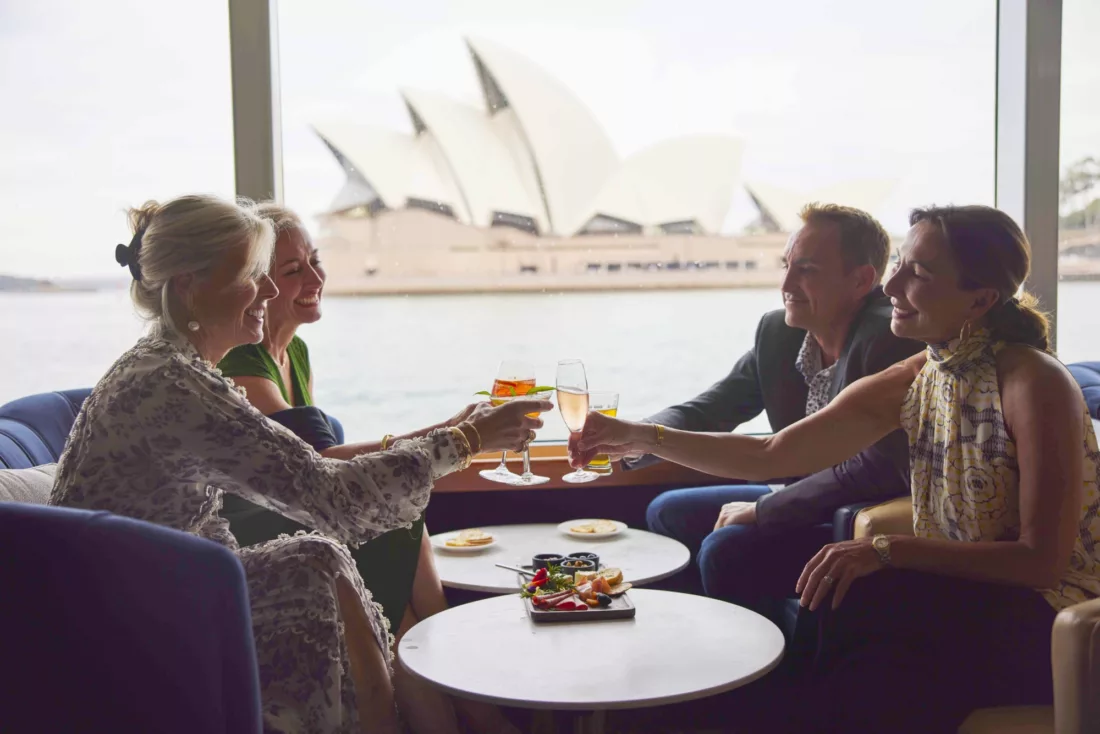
(818, 379)
(164, 434)
(965, 477)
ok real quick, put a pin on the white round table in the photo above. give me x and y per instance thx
(644, 557)
(678, 647)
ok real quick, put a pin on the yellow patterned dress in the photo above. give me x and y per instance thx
(965, 478)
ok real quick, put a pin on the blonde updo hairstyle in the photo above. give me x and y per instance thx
(281, 218)
(190, 235)
(993, 252)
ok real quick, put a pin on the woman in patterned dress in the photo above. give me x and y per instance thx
(164, 434)
(917, 631)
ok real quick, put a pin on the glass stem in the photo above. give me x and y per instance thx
(527, 462)
(503, 461)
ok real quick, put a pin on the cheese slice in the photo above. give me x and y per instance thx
(582, 577)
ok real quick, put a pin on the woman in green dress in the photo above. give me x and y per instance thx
(398, 566)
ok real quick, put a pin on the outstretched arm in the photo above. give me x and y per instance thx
(265, 396)
(351, 450)
(1046, 415)
(864, 412)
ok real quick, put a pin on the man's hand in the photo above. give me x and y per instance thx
(736, 513)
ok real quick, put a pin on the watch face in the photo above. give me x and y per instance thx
(881, 542)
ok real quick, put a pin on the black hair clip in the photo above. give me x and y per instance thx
(127, 256)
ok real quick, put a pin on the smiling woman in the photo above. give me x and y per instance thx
(1005, 479)
(274, 369)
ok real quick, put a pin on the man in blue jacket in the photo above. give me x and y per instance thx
(751, 543)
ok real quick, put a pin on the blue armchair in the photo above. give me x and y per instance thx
(112, 624)
(33, 429)
(109, 623)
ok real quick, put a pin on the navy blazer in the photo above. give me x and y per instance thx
(766, 380)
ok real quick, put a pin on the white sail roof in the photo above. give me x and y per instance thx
(485, 159)
(399, 168)
(688, 179)
(782, 205)
(570, 151)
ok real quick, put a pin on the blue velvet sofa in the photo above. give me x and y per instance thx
(109, 623)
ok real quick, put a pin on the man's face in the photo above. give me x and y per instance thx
(817, 292)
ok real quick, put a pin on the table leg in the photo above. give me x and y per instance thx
(576, 722)
(542, 722)
(591, 722)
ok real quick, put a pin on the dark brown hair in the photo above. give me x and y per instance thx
(993, 252)
(863, 241)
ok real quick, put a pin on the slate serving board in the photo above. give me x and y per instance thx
(621, 608)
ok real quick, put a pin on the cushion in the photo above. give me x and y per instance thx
(1010, 720)
(30, 486)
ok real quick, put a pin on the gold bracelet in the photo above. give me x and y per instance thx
(460, 436)
(660, 434)
(386, 440)
(477, 433)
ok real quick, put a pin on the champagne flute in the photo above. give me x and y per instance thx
(514, 380)
(572, 384)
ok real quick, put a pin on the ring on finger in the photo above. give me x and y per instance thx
(828, 579)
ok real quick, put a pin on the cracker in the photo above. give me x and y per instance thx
(595, 526)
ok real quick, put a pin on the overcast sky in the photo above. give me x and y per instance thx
(107, 104)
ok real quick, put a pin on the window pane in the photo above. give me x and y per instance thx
(106, 105)
(600, 162)
(1079, 191)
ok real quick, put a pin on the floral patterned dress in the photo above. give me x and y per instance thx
(965, 476)
(164, 434)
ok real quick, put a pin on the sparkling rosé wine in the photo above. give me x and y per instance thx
(574, 408)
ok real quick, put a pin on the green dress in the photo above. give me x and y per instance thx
(387, 563)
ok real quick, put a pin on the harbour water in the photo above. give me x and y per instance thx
(390, 364)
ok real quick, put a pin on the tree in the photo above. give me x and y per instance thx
(1075, 193)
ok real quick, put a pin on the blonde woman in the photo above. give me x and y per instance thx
(917, 631)
(164, 434)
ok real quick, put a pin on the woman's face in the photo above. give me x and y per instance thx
(924, 288)
(230, 304)
(296, 270)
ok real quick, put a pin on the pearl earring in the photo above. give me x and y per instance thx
(193, 325)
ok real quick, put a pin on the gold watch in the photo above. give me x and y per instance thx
(881, 545)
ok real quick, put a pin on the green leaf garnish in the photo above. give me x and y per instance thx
(532, 391)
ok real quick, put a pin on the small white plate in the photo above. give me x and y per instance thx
(440, 542)
(565, 528)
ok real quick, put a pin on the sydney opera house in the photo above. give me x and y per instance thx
(528, 193)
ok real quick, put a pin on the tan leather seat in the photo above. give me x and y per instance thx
(1075, 648)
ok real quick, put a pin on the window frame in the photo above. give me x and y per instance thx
(1027, 128)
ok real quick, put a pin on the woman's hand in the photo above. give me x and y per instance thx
(605, 435)
(834, 568)
(462, 415)
(508, 427)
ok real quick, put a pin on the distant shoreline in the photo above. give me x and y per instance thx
(436, 286)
